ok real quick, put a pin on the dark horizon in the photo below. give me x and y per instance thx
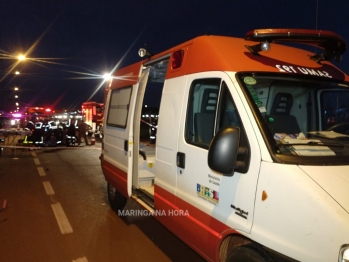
(70, 45)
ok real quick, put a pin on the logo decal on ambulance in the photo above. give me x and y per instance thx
(250, 81)
(240, 212)
(207, 193)
(302, 70)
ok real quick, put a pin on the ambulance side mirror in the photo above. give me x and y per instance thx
(223, 151)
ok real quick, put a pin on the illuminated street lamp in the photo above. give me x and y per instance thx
(16, 96)
(16, 88)
(17, 73)
(106, 77)
(21, 57)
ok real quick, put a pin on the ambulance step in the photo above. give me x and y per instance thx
(145, 196)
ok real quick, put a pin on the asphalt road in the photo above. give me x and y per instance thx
(54, 207)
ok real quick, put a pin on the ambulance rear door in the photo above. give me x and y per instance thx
(118, 138)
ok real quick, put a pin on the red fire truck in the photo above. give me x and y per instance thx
(92, 113)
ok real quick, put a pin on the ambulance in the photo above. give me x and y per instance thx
(251, 159)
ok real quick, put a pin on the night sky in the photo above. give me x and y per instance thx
(71, 44)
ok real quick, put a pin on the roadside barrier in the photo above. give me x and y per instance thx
(43, 148)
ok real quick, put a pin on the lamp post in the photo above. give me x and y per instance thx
(14, 71)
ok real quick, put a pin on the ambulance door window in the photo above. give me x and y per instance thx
(228, 116)
(118, 107)
(201, 112)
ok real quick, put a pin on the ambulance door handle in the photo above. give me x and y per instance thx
(180, 159)
(126, 145)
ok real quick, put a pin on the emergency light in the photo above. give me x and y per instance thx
(142, 52)
(332, 44)
(177, 59)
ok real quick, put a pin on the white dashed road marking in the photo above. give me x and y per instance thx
(62, 219)
(41, 171)
(58, 211)
(36, 161)
(48, 188)
(81, 259)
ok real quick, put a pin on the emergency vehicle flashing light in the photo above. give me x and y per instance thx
(332, 44)
(177, 59)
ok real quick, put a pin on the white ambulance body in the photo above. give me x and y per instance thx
(251, 159)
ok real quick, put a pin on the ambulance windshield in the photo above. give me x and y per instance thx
(301, 116)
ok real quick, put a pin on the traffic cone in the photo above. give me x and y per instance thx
(93, 140)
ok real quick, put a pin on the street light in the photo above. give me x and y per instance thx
(107, 77)
(16, 88)
(21, 57)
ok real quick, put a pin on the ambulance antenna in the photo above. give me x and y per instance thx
(316, 19)
(317, 13)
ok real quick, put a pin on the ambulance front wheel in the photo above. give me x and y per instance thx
(116, 200)
(249, 253)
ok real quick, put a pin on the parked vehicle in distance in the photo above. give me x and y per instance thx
(93, 114)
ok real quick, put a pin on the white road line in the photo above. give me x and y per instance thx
(33, 154)
(81, 259)
(61, 218)
(48, 188)
(36, 161)
(41, 171)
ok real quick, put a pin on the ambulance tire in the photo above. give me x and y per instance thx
(250, 253)
(116, 200)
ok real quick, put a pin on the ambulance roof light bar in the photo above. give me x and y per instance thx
(332, 44)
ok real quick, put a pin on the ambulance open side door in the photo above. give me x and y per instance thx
(133, 136)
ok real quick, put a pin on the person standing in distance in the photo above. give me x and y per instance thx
(82, 132)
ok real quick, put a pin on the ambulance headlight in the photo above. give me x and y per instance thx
(344, 254)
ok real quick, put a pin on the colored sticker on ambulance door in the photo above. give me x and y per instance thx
(207, 193)
(250, 81)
